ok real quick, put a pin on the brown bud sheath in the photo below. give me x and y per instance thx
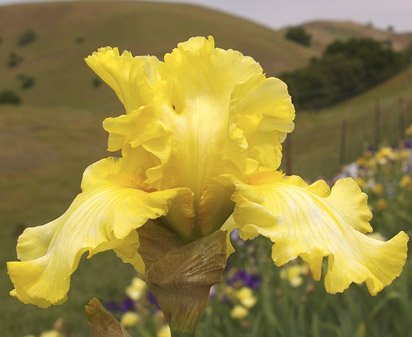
(180, 276)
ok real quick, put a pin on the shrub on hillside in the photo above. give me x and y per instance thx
(9, 97)
(14, 60)
(407, 55)
(79, 39)
(345, 69)
(299, 35)
(97, 82)
(26, 38)
(379, 61)
(26, 82)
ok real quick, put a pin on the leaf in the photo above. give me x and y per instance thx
(102, 323)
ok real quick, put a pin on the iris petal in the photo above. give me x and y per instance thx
(312, 222)
(104, 216)
(261, 116)
(130, 77)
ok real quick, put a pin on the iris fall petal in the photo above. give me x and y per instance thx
(313, 222)
(104, 216)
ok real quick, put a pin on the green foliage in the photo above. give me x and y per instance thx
(9, 97)
(26, 38)
(299, 35)
(14, 60)
(378, 62)
(407, 55)
(345, 69)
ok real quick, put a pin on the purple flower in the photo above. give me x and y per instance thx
(112, 306)
(407, 144)
(252, 281)
(152, 300)
(127, 305)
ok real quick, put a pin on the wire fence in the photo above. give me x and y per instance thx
(345, 139)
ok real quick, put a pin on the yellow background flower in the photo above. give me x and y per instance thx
(130, 319)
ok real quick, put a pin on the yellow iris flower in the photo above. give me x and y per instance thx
(200, 145)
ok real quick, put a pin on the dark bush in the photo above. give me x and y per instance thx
(26, 38)
(379, 61)
(97, 82)
(14, 60)
(345, 69)
(299, 35)
(79, 40)
(26, 82)
(9, 97)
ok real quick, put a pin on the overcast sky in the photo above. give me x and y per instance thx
(278, 13)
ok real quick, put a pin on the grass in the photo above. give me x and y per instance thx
(47, 142)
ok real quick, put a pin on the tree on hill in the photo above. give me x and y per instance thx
(379, 61)
(345, 69)
(299, 35)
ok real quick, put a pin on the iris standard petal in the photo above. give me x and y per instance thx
(104, 216)
(312, 222)
(131, 77)
(202, 79)
(261, 115)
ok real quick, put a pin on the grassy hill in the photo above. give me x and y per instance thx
(46, 143)
(325, 32)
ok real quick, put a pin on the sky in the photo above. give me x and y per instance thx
(280, 13)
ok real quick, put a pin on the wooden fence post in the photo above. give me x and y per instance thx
(342, 148)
